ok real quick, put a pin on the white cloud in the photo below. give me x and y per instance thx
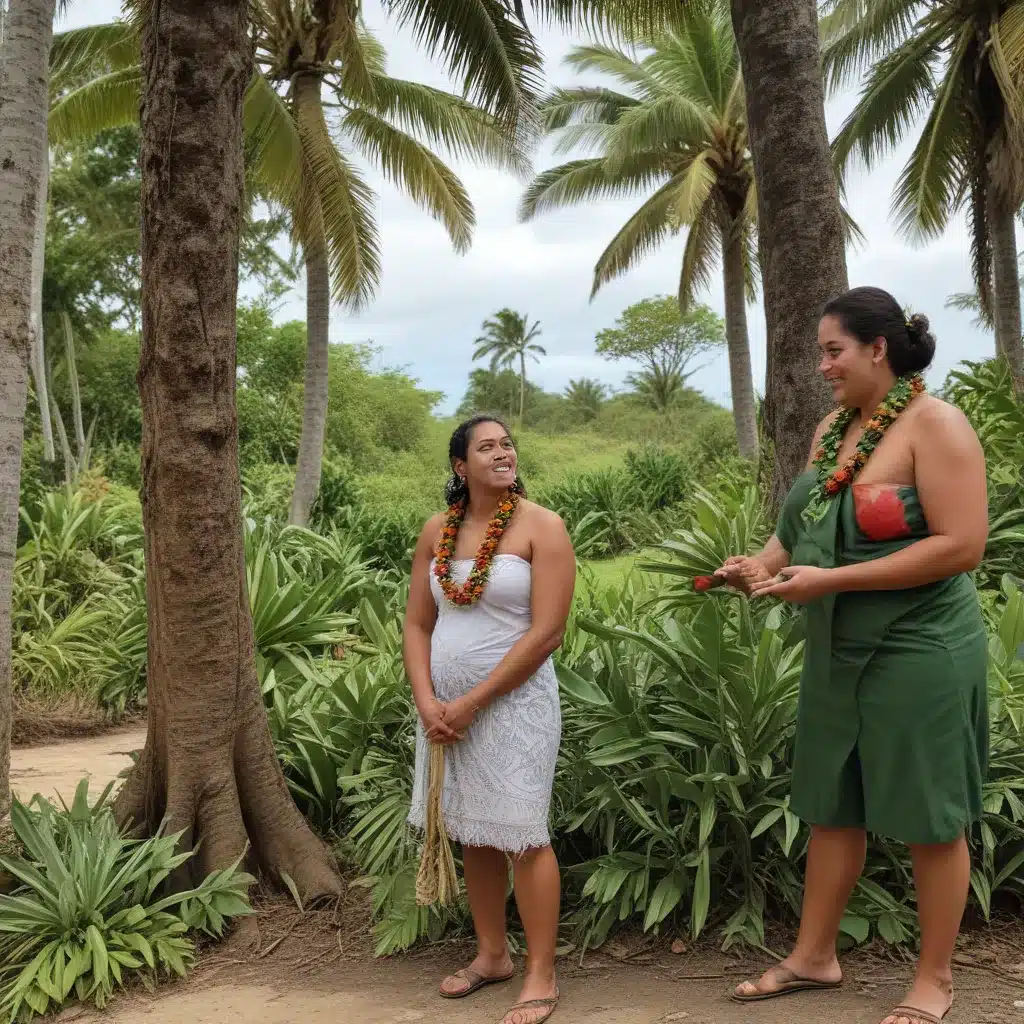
(431, 302)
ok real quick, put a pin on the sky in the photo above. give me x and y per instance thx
(431, 303)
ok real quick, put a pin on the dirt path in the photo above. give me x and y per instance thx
(57, 769)
(232, 986)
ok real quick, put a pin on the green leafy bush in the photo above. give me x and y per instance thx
(91, 908)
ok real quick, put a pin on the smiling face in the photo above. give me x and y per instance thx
(852, 370)
(490, 462)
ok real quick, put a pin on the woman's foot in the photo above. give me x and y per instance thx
(482, 971)
(932, 999)
(539, 995)
(788, 975)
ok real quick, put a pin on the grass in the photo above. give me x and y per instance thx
(612, 572)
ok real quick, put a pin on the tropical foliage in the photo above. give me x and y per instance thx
(957, 66)
(507, 339)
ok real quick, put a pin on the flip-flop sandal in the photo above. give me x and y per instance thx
(916, 1016)
(535, 1004)
(787, 983)
(476, 981)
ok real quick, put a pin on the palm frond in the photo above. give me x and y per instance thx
(640, 235)
(580, 181)
(693, 189)
(273, 147)
(583, 105)
(441, 119)
(672, 119)
(856, 34)
(703, 244)
(482, 44)
(109, 101)
(928, 189)
(893, 99)
(83, 52)
(613, 62)
(421, 174)
(345, 200)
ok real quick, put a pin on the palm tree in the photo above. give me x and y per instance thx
(586, 396)
(208, 766)
(299, 146)
(679, 136)
(27, 31)
(507, 340)
(958, 61)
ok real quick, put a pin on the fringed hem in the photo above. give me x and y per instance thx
(510, 839)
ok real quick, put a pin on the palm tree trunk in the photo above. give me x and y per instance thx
(1006, 282)
(315, 384)
(24, 98)
(208, 766)
(38, 339)
(803, 257)
(741, 379)
(522, 385)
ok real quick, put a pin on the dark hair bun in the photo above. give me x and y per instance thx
(922, 342)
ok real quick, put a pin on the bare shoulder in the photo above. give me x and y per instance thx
(929, 413)
(431, 532)
(540, 518)
(544, 526)
(820, 432)
(938, 424)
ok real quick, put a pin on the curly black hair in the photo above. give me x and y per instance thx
(456, 490)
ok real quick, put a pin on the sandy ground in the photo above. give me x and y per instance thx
(316, 975)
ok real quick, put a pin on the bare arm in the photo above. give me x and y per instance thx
(949, 467)
(554, 579)
(420, 617)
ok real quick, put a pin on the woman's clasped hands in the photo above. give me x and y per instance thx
(446, 723)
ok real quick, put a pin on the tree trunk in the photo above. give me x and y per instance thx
(803, 258)
(38, 339)
(208, 766)
(522, 385)
(24, 98)
(741, 379)
(1006, 284)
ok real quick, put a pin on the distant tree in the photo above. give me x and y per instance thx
(586, 396)
(665, 342)
(508, 338)
(496, 391)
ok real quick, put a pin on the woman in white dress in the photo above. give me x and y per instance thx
(492, 583)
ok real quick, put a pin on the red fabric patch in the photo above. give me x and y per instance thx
(880, 512)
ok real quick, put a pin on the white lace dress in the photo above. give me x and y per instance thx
(498, 778)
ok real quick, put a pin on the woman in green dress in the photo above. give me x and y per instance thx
(876, 541)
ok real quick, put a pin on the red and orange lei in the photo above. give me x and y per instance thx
(471, 590)
(831, 480)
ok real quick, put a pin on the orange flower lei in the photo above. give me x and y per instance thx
(471, 590)
(831, 481)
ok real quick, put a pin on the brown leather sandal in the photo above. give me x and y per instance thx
(915, 1016)
(476, 981)
(787, 983)
(550, 1004)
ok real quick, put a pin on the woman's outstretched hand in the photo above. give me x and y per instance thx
(798, 584)
(742, 573)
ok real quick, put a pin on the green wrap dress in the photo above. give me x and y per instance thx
(892, 721)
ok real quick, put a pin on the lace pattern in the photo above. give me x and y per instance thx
(498, 779)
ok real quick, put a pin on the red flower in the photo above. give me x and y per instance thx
(880, 512)
(704, 583)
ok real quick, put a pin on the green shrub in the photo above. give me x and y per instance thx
(91, 908)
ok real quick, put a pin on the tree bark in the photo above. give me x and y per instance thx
(24, 98)
(799, 217)
(741, 379)
(208, 767)
(38, 334)
(317, 379)
(1006, 285)
(522, 385)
